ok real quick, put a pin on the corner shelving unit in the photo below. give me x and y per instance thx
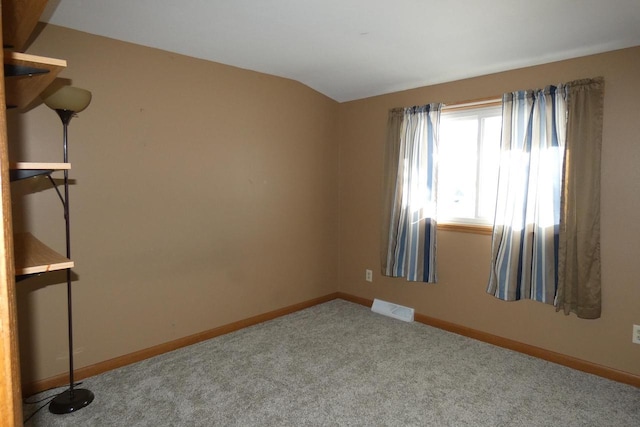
(25, 77)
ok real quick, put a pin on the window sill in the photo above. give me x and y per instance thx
(466, 228)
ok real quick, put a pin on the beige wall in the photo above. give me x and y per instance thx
(203, 194)
(463, 259)
(206, 194)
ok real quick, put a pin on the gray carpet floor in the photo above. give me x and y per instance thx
(339, 364)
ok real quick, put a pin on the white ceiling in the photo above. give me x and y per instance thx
(352, 49)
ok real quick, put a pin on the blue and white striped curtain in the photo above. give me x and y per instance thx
(409, 231)
(524, 248)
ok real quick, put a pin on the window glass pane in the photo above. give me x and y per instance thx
(489, 164)
(468, 160)
(457, 162)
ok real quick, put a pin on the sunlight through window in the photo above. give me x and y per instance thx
(468, 161)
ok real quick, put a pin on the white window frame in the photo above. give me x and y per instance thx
(481, 110)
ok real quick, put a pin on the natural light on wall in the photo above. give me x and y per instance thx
(468, 162)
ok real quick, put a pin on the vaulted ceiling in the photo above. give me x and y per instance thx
(352, 49)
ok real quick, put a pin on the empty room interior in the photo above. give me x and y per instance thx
(230, 173)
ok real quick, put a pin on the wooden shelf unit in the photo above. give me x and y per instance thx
(25, 77)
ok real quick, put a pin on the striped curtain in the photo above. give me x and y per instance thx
(524, 248)
(409, 227)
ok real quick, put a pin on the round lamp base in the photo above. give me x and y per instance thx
(70, 401)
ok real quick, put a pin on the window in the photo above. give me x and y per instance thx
(468, 160)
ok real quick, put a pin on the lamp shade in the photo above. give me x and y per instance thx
(69, 98)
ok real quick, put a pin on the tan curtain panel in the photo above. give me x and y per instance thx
(579, 288)
(392, 156)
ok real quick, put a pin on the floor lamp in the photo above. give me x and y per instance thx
(68, 101)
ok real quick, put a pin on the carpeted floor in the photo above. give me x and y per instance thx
(340, 364)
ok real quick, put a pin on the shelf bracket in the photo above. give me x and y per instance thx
(55, 187)
(18, 174)
(13, 70)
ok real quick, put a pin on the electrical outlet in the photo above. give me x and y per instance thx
(636, 334)
(368, 275)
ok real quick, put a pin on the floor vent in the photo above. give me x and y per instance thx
(392, 310)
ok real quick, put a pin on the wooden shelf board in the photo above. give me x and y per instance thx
(25, 170)
(39, 166)
(19, 18)
(32, 256)
(22, 90)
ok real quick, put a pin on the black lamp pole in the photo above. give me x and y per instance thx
(74, 398)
